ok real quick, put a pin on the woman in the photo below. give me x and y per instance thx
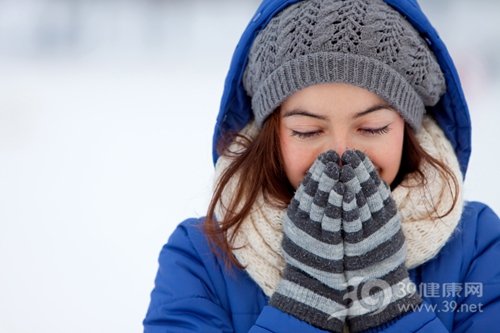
(343, 137)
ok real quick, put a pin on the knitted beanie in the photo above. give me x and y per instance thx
(365, 43)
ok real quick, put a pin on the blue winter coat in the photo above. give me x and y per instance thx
(461, 286)
(194, 293)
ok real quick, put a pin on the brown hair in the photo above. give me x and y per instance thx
(258, 168)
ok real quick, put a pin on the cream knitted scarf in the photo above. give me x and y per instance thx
(258, 241)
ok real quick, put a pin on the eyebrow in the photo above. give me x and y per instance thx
(373, 109)
(305, 113)
(298, 112)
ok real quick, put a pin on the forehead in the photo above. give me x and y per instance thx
(332, 97)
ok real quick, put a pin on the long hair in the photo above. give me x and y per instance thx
(259, 169)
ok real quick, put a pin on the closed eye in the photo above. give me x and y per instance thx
(305, 135)
(375, 131)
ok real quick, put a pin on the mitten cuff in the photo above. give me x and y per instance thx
(308, 314)
(403, 301)
(314, 307)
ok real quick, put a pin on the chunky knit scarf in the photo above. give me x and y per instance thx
(258, 240)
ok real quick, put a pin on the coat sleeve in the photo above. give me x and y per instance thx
(421, 320)
(184, 299)
(478, 306)
(190, 293)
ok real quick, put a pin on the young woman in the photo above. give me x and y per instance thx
(341, 146)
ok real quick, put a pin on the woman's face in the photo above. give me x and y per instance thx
(339, 116)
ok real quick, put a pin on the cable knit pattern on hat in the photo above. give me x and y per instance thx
(258, 241)
(360, 42)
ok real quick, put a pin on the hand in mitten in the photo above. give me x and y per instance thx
(374, 247)
(313, 286)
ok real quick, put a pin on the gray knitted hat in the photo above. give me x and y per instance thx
(365, 43)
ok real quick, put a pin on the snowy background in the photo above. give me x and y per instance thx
(106, 116)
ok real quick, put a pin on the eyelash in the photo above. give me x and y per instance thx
(375, 131)
(306, 135)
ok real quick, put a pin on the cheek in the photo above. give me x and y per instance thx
(388, 168)
(387, 158)
(297, 161)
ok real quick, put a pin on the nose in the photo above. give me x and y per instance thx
(340, 143)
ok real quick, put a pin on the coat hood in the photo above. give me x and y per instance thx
(451, 111)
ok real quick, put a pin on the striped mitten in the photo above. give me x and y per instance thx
(374, 248)
(313, 286)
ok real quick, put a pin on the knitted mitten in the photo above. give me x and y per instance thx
(313, 286)
(374, 248)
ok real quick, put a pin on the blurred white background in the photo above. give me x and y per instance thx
(106, 116)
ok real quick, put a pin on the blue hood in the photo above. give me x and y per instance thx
(451, 111)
